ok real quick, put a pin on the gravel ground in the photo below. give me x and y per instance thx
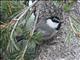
(59, 48)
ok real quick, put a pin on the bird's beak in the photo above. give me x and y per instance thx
(61, 21)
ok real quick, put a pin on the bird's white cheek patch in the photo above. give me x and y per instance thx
(52, 24)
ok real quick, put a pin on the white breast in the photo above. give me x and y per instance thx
(52, 24)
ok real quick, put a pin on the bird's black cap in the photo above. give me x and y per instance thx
(54, 19)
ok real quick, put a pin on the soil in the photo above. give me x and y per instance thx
(59, 48)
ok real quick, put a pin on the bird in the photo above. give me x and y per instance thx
(49, 27)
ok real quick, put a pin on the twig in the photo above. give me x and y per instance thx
(27, 10)
(17, 23)
(35, 24)
(24, 50)
(12, 35)
(76, 33)
(77, 20)
(72, 25)
(31, 34)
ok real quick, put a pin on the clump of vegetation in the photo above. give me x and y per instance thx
(7, 10)
(26, 47)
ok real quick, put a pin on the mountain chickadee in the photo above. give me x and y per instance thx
(49, 27)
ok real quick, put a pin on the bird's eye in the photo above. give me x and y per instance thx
(55, 19)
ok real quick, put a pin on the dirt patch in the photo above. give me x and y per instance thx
(59, 48)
